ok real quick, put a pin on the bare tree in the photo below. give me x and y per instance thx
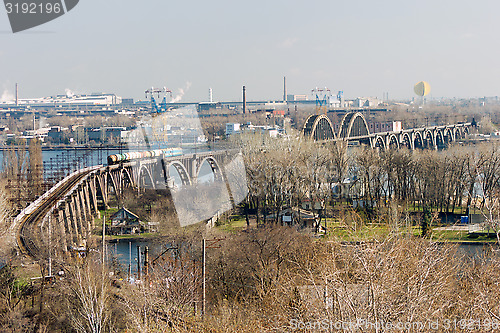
(88, 296)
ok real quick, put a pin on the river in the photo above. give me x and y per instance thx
(126, 252)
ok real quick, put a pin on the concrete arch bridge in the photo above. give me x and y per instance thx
(68, 210)
(354, 128)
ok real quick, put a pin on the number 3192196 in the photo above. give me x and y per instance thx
(33, 8)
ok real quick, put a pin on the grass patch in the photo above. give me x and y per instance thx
(370, 232)
(144, 235)
(236, 224)
(450, 235)
(367, 232)
(462, 236)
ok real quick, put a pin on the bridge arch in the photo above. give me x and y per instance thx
(448, 135)
(214, 165)
(440, 141)
(353, 124)
(406, 141)
(127, 176)
(418, 141)
(181, 170)
(145, 178)
(393, 142)
(428, 139)
(379, 142)
(113, 186)
(458, 133)
(318, 128)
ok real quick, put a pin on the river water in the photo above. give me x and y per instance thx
(126, 252)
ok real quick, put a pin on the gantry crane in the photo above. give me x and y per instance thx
(162, 107)
(158, 124)
(322, 99)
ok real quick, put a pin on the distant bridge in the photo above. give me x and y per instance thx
(71, 206)
(354, 128)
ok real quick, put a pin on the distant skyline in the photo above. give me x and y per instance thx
(364, 48)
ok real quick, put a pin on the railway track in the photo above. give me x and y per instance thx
(27, 232)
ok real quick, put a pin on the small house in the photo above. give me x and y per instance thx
(124, 222)
(289, 216)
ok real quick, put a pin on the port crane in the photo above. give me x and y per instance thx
(155, 107)
(322, 99)
(157, 126)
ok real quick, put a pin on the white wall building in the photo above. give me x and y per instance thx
(232, 128)
(68, 100)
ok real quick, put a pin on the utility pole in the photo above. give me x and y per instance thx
(50, 245)
(193, 295)
(129, 260)
(103, 239)
(138, 262)
(203, 271)
(146, 261)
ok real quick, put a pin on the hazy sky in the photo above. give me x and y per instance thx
(363, 47)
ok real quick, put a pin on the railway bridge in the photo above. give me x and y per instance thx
(68, 210)
(354, 128)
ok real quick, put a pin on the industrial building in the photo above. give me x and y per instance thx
(237, 128)
(66, 100)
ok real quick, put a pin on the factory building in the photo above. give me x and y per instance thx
(68, 100)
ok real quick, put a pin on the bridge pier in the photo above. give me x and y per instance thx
(70, 221)
(62, 229)
(80, 201)
(93, 194)
(77, 227)
(88, 205)
(84, 213)
(192, 167)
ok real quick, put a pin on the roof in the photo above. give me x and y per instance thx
(124, 213)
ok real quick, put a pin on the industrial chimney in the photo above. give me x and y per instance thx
(244, 99)
(284, 89)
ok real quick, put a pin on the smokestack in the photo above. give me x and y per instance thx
(244, 99)
(284, 89)
(17, 95)
(210, 96)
